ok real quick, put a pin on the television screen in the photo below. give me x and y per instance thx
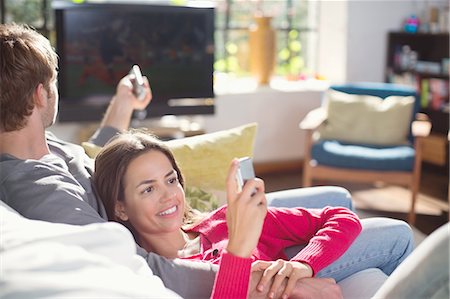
(99, 43)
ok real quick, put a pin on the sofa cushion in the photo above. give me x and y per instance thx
(367, 119)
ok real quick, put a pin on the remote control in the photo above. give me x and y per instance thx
(138, 82)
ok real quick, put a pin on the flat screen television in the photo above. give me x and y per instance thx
(98, 43)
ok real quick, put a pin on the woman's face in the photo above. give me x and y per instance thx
(154, 198)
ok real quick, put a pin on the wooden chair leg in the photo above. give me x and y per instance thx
(307, 168)
(415, 180)
(412, 210)
(307, 181)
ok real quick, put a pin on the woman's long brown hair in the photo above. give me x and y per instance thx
(111, 165)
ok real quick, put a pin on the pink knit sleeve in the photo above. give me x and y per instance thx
(233, 277)
(339, 229)
(327, 232)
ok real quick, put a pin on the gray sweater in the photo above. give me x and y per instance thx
(57, 188)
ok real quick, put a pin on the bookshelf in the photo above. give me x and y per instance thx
(422, 60)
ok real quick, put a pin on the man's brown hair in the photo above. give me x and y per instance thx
(26, 60)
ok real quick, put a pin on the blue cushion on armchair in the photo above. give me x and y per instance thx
(366, 157)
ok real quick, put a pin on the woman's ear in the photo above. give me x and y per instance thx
(119, 211)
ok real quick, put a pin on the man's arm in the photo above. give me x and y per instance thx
(189, 279)
(306, 288)
(120, 110)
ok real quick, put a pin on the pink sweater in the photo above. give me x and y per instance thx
(327, 233)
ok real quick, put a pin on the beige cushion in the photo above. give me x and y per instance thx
(367, 119)
(205, 160)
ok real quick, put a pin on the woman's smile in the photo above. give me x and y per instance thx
(169, 212)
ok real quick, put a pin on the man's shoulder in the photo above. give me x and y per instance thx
(52, 138)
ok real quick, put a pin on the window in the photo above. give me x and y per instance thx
(36, 13)
(295, 23)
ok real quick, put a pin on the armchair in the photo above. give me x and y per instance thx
(342, 159)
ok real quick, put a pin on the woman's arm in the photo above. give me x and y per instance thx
(327, 232)
(246, 212)
(233, 278)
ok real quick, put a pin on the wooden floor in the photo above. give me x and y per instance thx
(385, 200)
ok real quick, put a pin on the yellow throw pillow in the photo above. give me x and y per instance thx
(205, 159)
(91, 149)
(367, 119)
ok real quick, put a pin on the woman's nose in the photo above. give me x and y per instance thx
(167, 195)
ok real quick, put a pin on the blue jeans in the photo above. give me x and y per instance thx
(383, 242)
(311, 197)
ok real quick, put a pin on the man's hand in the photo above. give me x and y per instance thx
(317, 288)
(305, 288)
(120, 109)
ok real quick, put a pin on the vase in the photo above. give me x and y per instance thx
(262, 49)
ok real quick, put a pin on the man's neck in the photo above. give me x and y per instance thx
(27, 143)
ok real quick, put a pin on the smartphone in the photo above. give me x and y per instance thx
(245, 171)
(138, 82)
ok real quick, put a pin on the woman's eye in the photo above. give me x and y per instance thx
(148, 189)
(173, 180)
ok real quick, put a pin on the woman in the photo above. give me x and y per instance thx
(146, 194)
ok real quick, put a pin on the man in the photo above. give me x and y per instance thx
(45, 178)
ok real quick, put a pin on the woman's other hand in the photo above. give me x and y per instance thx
(246, 212)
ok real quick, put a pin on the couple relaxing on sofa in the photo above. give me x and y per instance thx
(44, 178)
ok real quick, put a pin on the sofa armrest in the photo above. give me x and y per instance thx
(363, 284)
(313, 119)
(421, 126)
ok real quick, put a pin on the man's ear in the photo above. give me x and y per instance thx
(120, 211)
(40, 96)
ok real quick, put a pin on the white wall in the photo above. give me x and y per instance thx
(332, 43)
(277, 111)
(353, 35)
(369, 23)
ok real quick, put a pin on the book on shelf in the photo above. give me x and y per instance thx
(434, 94)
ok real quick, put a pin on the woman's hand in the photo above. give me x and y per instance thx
(279, 270)
(245, 213)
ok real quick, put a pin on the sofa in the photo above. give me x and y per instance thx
(50, 260)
